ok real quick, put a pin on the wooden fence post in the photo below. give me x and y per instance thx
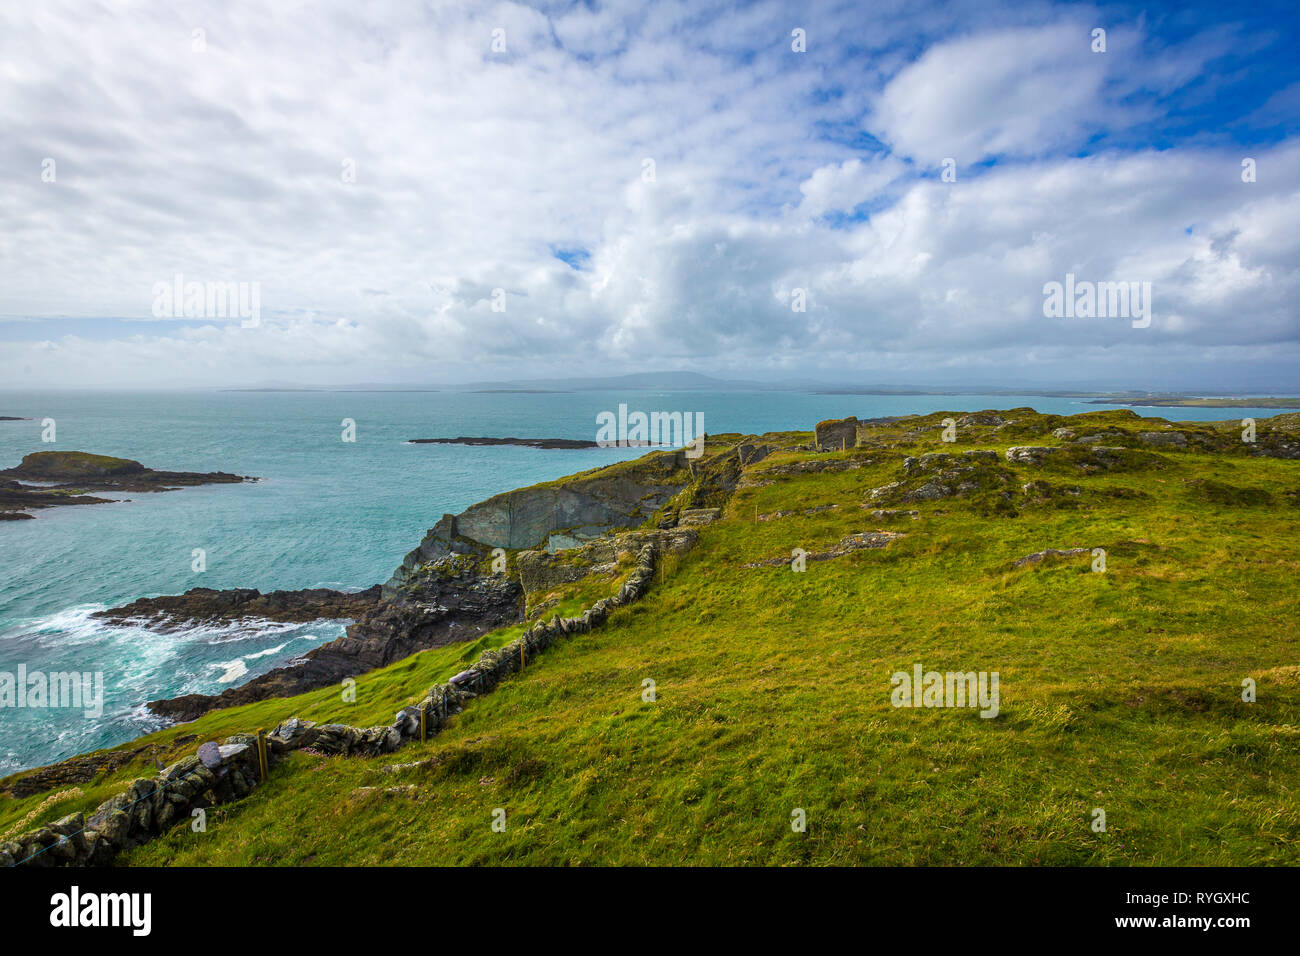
(261, 754)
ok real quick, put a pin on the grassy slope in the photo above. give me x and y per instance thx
(1119, 690)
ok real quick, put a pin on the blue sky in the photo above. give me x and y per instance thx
(458, 191)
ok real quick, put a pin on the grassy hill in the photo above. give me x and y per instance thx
(1120, 690)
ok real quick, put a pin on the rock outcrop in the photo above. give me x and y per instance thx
(543, 571)
(15, 495)
(74, 770)
(836, 434)
(208, 606)
(447, 602)
(939, 475)
(847, 545)
(1039, 556)
(1084, 457)
(581, 507)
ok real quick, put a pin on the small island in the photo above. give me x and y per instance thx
(46, 479)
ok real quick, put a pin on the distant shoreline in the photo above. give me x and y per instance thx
(1200, 402)
(530, 442)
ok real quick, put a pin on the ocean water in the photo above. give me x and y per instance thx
(326, 513)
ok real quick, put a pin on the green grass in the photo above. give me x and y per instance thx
(75, 464)
(1119, 691)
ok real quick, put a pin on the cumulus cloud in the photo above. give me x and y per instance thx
(450, 193)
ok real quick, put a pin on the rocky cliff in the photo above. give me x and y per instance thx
(449, 589)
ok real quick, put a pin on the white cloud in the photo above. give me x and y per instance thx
(474, 168)
(844, 186)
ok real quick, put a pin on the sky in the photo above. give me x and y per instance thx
(869, 193)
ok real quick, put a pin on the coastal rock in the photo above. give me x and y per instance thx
(554, 515)
(524, 519)
(205, 605)
(441, 603)
(15, 495)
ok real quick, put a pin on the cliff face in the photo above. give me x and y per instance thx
(587, 504)
(447, 590)
(555, 515)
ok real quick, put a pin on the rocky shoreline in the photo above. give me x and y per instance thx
(209, 606)
(220, 773)
(448, 590)
(456, 604)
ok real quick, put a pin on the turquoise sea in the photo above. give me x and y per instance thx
(326, 513)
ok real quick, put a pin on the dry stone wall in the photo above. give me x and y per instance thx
(221, 773)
